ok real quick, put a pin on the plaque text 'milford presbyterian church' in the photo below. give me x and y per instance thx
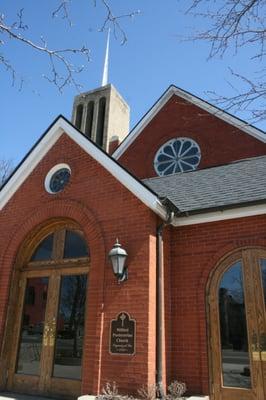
(122, 335)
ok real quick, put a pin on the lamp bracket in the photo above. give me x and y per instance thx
(123, 277)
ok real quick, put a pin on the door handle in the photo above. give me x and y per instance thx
(46, 335)
(263, 346)
(49, 333)
(255, 347)
(52, 332)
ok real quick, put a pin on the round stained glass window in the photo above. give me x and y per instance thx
(57, 178)
(177, 155)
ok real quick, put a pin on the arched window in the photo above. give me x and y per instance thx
(62, 244)
(89, 119)
(79, 114)
(53, 286)
(100, 122)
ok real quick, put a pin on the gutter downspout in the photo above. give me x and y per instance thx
(159, 304)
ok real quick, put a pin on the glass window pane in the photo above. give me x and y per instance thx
(263, 277)
(233, 329)
(162, 158)
(75, 246)
(169, 150)
(70, 327)
(31, 335)
(185, 146)
(44, 250)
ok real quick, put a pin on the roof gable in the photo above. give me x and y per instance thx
(59, 127)
(175, 91)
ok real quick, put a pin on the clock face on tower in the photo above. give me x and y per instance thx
(177, 155)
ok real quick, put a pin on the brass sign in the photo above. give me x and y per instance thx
(122, 335)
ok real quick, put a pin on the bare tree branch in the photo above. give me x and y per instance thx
(59, 59)
(245, 100)
(62, 62)
(236, 24)
(6, 168)
(63, 10)
(114, 20)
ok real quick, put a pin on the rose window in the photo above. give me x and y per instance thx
(177, 155)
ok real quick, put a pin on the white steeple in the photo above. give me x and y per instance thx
(102, 114)
(106, 61)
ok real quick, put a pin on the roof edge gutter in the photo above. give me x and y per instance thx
(162, 207)
(220, 215)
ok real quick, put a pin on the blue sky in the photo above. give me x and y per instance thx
(151, 60)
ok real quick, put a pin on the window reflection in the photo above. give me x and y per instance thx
(70, 327)
(31, 334)
(233, 329)
(263, 277)
(44, 250)
(75, 246)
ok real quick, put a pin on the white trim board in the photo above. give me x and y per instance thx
(50, 138)
(173, 90)
(238, 212)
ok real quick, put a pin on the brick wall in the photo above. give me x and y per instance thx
(196, 250)
(104, 209)
(220, 142)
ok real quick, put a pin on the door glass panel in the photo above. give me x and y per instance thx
(263, 277)
(233, 329)
(75, 246)
(31, 335)
(70, 327)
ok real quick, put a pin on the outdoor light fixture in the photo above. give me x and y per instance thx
(118, 257)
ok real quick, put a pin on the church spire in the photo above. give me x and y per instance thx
(102, 114)
(106, 61)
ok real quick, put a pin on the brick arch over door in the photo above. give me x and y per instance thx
(91, 228)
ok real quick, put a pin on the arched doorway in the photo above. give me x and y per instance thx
(237, 333)
(48, 323)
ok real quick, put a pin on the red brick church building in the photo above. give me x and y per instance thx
(136, 257)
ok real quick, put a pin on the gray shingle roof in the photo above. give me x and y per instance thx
(218, 187)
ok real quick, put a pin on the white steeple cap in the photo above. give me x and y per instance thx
(106, 61)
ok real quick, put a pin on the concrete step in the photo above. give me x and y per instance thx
(16, 396)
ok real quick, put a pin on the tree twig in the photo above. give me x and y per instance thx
(236, 24)
(57, 58)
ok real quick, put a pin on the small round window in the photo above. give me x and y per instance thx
(57, 178)
(177, 155)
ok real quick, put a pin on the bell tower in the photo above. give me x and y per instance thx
(102, 114)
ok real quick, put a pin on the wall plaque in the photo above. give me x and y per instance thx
(122, 335)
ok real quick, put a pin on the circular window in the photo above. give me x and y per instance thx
(57, 178)
(177, 155)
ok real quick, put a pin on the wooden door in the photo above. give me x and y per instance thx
(49, 318)
(260, 288)
(237, 327)
(49, 333)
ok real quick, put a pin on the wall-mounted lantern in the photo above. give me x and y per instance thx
(118, 257)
